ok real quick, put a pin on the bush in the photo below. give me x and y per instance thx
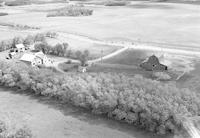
(71, 11)
(3, 14)
(39, 37)
(51, 34)
(69, 61)
(82, 57)
(163, 76)
(58, 49)
(151, 105)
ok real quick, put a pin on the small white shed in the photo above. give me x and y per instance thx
(20, 47)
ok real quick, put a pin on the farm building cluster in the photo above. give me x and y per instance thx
(36, 59)
(28, 56)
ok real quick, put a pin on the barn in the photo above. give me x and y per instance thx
(153, 64)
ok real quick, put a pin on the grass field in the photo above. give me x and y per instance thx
(155, 22)
(128, 57)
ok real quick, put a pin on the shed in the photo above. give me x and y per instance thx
(153, 64)
(20, 47)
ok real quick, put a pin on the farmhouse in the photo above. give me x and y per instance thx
(36, 59)
(30, 59)
(153, 64)
(20, 47)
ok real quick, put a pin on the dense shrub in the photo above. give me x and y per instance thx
(82, 56)
(3, 14)
(151, 105)
(71, 11)
(51, 34)
(58, 49)
(5, 45)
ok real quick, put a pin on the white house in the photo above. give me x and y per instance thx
(30, 59)
(20, 47)
(36, 59)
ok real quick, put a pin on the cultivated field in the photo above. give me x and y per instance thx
(141, 21)
(118, 40)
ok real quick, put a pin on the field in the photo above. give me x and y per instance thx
(122, 36)
(141, 21)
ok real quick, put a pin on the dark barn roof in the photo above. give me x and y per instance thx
(153, 64)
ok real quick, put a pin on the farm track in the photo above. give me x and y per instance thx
(181, 50)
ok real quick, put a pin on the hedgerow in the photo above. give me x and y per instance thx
(71, 11)
(151, 105)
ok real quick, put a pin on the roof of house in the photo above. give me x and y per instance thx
(27, 57)
(40, 54)
(153, 60)
(19, 46)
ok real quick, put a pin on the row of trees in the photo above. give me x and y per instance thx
(151, 105)
(62, 50)
(30, 39)
(74, 10)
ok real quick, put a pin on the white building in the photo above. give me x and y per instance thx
(36, 59)
(20, 47)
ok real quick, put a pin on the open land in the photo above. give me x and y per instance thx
(118, 39)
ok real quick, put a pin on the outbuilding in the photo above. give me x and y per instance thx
(153, 64)
(20, 47)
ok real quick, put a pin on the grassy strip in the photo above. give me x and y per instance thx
(148, 104)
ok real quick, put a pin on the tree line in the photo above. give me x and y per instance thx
(151, 105)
